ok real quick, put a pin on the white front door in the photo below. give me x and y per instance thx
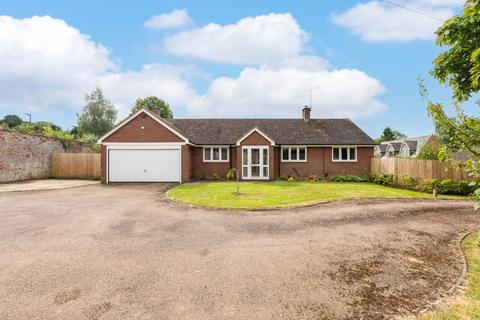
(255, 162)
(144, 165)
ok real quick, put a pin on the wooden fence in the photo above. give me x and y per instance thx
(76, 165)
(421, 169)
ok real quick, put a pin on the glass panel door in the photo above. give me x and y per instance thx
(255, 162)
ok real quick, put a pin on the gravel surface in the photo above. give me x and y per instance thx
(126, 252)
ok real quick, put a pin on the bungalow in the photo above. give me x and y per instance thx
(147, 148)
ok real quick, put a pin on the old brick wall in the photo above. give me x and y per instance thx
(25, 156)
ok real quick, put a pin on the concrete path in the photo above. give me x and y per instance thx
(45, 184)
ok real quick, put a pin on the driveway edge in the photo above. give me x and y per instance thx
(458, 286)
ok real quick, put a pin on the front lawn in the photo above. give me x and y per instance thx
(277, 194)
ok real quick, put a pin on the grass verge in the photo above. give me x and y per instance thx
(278, 194)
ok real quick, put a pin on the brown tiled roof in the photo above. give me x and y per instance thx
(282, 131)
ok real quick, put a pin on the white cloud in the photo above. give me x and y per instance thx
(175, 19)
(47, 65)
(282, 91)
(44, 61)
(376, 21)
(167, 82)
(252, 40)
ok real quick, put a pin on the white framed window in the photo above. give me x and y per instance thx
(344, 154)
(294, 154)
(215, 154)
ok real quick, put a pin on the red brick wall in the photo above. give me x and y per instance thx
(209, 168)
(313, 166)
(186, 163)
(319, 161)
(152, 132)
(359, 168)
(103, 160)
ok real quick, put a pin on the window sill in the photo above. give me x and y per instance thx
(215, 160)
(298, 161)
(351, 161)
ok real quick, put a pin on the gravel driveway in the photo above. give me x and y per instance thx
(125, 252)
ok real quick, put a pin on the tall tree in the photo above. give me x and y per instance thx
(11, 121)
(459, 67)
(98, 115)
(154, 104)
(389, 135)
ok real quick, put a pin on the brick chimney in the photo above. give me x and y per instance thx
(306, 113)
(155, 112)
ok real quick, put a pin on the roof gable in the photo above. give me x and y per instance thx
(143, 126)
(255, 130)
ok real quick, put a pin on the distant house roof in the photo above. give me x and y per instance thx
(412, 145)
(281, 131)
(383, 147)
(396, 146)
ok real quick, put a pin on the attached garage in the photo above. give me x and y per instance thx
(144, 165)
(144, 148)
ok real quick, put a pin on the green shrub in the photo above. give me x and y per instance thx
(350, 178)
(231, 174)
(291, 179)
(428, 152)
(215, 176)
(201, 176)
(447, 186)
(408, 182)
(385, 179)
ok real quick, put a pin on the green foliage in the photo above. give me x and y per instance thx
(291, 179)
(88, 138)
(408, 182)
(216, 176)
(231, 174)
(11, 121)
(46, 124)
(384, 179)
(448, 186)
(459, 66)
(153, 103)
(389, 135)
(350, 178)
(44, 128)
(428, 152)
(201, 176)
(98, 116)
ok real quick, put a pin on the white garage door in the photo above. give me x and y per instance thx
(145, 165)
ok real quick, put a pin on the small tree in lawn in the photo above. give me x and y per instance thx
(153, 103)
(98, 116)
(459, 67)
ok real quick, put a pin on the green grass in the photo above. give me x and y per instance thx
(277, 194)
(466, 307)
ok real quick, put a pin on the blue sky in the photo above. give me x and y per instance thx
(222, 59)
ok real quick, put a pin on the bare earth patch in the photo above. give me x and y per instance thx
(123, 252)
